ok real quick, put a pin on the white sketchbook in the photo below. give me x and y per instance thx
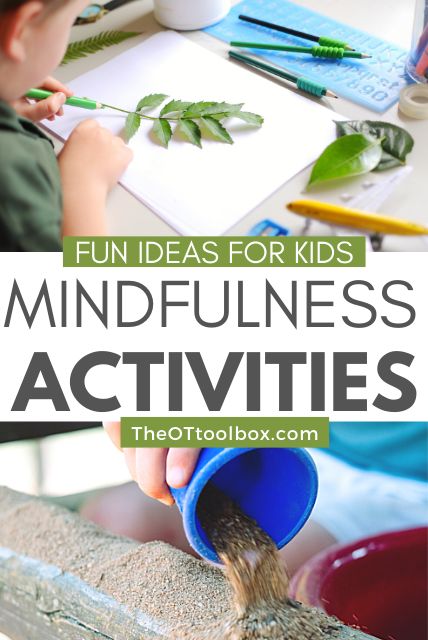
(203, 192)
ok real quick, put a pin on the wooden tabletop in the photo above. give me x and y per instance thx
(128, 216)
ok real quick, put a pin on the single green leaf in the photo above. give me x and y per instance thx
(345, 128)
(220, 116)
(175, 106)
(348, 156)
(198, 109)
(251, 118)
(162, 131)
(190, 131)
(132, 125)
(396, 142)
(83, 48)
(217, 130)
(222, 107)
(151, 101)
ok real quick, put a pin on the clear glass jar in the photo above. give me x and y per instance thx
(417, 63)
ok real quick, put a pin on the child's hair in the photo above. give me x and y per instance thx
(9, 5)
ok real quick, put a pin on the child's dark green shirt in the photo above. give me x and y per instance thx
(30, 187)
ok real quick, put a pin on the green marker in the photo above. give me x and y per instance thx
(83, 103)
(317, 52)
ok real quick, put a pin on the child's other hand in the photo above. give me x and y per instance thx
(155, 469)
(91, 163)
(44, 109)
(93, 159)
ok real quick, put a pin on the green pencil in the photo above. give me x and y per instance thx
(318, 52)
(304, 84)
(83, 103)
(324, 41)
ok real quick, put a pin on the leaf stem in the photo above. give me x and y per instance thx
(109, 106)
(144, 116)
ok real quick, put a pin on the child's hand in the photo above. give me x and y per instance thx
(44, 109)
(91, 163)
(94, 157)
(155, 469)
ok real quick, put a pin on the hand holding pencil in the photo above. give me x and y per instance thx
(52, 97)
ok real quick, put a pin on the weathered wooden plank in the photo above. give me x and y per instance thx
(64, 578)
(41, 601)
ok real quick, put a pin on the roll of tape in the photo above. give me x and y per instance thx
(414, 101)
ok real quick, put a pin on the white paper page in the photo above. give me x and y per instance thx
(203, 191)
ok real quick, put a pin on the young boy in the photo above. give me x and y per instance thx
(43, 198)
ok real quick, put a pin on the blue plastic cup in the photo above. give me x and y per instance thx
(276, 487)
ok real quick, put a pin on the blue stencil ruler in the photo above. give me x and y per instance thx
(374, 83)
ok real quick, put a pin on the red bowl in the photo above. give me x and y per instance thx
(378, 584)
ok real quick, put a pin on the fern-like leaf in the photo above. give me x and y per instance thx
(84, 48)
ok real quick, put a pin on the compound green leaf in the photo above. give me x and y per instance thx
(83, 48)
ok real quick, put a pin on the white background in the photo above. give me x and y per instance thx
(66, 346)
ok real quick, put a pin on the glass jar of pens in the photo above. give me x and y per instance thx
(417, 64)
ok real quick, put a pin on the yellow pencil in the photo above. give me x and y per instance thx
(342, 216)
